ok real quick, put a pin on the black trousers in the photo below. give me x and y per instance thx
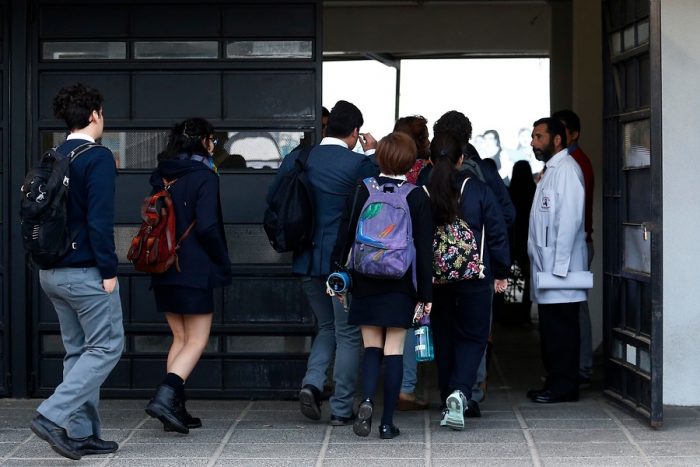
(461, 320)
(559, 339)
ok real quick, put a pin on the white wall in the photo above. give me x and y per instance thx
(680, 40)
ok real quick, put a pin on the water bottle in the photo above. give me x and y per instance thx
(424, 340)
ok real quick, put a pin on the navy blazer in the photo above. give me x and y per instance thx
(333, 171)
(203, 255)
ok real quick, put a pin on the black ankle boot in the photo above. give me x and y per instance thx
(165, 408)
(190, 421)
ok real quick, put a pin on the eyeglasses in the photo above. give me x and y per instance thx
(215, 141)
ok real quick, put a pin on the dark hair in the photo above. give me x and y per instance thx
(186, 138)
(324, 112)
(343, 119)
(396, 153)
(554, 127)
(445, 151)
(75, 103)
(521, 178)
(496, 136)
(570, 119)
(415, 126)
(455, 123)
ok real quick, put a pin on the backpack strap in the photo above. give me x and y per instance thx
(71, 156)
(167, 184)
(304, 156)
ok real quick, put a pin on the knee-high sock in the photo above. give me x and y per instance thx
(371, 363)
(393, 373)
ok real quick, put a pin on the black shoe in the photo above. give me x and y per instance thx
(388, 431)
(190, 421)
(93, 445)
(337, 420)
(532, 393)
(165, 408)
(54, 435)
(547, 397)
(310, 402)
(472, 409)
(363, 422)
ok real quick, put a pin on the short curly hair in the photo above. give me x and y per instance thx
(75, 103)
(455, 123)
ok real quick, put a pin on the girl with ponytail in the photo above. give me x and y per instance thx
(461, 314)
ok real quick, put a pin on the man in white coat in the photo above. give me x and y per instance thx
(557, 245)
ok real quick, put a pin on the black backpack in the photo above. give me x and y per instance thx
(43, 210)
(289, 217)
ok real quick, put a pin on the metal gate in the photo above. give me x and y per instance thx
(4, 216)
(251, 68)
(632, 207)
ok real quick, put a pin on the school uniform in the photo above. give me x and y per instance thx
(461, 316)
(203, 256)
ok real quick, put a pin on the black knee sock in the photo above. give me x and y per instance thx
(175, 382)
(371, 363)
(393, 373)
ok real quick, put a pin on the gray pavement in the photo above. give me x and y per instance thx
(511, 432)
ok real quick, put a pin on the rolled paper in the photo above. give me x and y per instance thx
(574, 280)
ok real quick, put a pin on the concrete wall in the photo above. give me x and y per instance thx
(680, 59)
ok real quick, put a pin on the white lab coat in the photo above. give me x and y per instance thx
(556, 240)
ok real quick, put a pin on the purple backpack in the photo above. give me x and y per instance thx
(384, 238)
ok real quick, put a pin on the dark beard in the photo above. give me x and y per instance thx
(545, 154)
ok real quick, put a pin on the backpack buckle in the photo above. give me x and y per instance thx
(74, 245)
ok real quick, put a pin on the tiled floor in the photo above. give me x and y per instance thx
(511, 432)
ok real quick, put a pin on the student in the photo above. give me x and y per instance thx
(384, 308)
(186, 295)
(83, 286)
(462, 309)
(333, 170)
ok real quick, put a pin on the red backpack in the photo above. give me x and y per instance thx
(154, 248)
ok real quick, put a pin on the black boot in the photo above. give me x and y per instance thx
(165, 408)
(190, 421)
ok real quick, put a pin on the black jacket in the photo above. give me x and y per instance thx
(203, 255)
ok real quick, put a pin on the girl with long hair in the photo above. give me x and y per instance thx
(462, 309)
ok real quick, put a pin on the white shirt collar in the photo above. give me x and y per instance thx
(555, 159)
(397, 177)
(330, 140)
(78, 135)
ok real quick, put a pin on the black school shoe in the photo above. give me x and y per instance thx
(337, 420)
(93, 445)
(54, 435)
(388, 431)
(472, 409)
(363, 423)
(547, 397)
(310, 402)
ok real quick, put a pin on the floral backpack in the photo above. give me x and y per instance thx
(456, 256)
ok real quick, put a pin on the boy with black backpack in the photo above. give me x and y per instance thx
(333, 171)
(82, 283)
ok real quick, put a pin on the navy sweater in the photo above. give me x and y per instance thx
(91, 209)
(203, 256)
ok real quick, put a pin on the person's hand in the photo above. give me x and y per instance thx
(109, 284)
(367, 141)
(422, 309)
(427, 308)
(341, 298)
(500, 285)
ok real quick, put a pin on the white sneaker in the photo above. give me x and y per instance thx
(443, 420)
(456, 402)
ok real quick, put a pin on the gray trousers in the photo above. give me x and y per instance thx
(410, 364)
(585, 368)
(335, 336)
(93, 336)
